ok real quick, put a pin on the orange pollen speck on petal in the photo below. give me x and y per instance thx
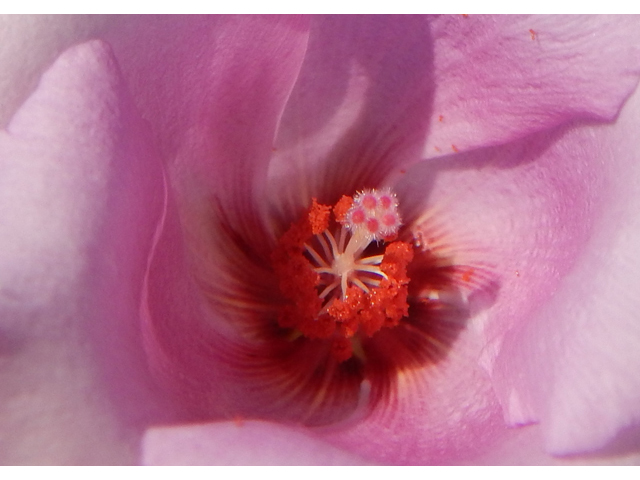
(466, 276)
(341, 278)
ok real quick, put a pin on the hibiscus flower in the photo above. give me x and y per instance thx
(142, 282)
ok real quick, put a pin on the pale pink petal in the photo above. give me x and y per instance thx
(81, 193)
(528, 210)
(240, 443)
(572, 365)
(525, 446)
(214, 89)
(222, 123)
(501, 77)
(264, 443)
(30, 44)
(360, 107)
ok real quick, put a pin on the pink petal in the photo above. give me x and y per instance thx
(240, 443)
(81, 196)
(222, 123)
(509, 198)
(503, 77)
(214, 89)
(442, 414)
(190, 76)
(572, 365)
(360, 107)
(30, 44)
(524, 446)
(528, 209)
(263, 443)
(525, 208)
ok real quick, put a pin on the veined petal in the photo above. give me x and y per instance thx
(421, 423)
(212, 340)
(436, 383)
(80, 197)
(502, 77)
(530, 208)
(572, 365)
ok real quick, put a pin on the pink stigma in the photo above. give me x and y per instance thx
(374, 214)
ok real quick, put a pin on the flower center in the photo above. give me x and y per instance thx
(342, 273)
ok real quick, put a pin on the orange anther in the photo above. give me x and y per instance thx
(318, 217)
(341, 208)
